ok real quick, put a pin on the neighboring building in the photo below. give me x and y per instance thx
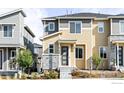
(71, 40)
(38, 56)
(14, 35)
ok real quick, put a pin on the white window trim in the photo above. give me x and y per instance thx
(104, 47)
(82, 53)
(101, 26)
(13, 30)
(120, 26)
(11, 52)
(53, 48)
(75, 28)
(49, 26)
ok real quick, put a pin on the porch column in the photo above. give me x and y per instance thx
(59, 55)
(117, 63)
(74, 55)
(17, 53)
(7, 60)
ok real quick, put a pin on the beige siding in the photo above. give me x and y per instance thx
(100, 39)
(115, 26)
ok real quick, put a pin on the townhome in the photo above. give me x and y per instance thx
(14, 35)
(71, 40)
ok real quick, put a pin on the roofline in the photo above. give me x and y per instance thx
(49, 35)
(116, 17)
(14, 11)
(47, 19)
(29, 31)
(75, 17)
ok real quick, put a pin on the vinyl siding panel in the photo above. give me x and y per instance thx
(10, 19)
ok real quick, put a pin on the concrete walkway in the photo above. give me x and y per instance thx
(65, 72)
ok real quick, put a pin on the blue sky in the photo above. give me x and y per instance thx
(34, 15)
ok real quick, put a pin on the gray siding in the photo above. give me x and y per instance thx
(14, 18)
(56, 26)
(115, 26)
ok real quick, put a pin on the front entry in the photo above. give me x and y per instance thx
(64, 55)
(1, 59)
(120, 55)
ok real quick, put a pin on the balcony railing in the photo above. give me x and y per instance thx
(50, 61)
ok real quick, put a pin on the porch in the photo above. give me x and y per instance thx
(64, 55)
(117, 54)
(7, 58)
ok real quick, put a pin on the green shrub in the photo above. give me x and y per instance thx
(24, 76)
(35, 75)
(51, 75)
(96, 61)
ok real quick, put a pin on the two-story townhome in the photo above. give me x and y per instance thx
(72, 40)
(14, 35)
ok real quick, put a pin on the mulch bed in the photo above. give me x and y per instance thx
(97, 74)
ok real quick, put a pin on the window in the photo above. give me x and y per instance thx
(7, 30)
(75, 27)
(101, 27)
(79, 52)
(51, 26)
(103, 52)
(51, 48)
(122, 26)
(13, 53)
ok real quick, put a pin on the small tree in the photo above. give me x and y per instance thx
(25, 59)
(96, 61)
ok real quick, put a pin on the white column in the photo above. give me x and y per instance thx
(74, 55)
(59, 55)
(7, 60)
(17, 52)
(117, 56)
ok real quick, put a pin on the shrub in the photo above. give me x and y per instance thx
(24, 76)
(35, 75)
(96, 60)
(51, 75)
(79, 74)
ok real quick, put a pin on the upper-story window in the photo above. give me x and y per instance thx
(122, 26)
(75, 27)
(101, 27)
(7, 30)
(51, 26)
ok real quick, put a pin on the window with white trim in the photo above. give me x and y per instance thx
(51, 48)
(79, 53)
(103, 52)
(51, 26)
(75, 27)
(122, 26)
(13, 53)
(101, 27)
(7, 30)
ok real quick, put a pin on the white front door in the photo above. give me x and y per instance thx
(1, 58)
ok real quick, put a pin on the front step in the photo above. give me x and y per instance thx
(65, 72)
